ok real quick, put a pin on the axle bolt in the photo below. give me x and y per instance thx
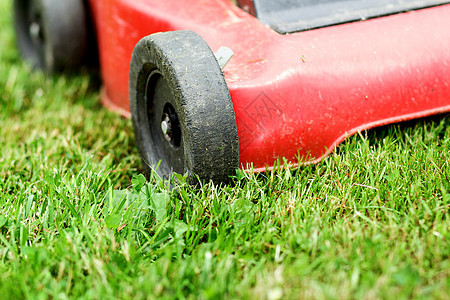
(166, 127)
(35, 32)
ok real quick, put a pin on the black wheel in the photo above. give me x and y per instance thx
(51, 34)
(181, 108)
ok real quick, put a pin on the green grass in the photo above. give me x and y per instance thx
(78, 221)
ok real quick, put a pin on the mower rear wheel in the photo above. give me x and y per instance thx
(181, 108)
(51, 34)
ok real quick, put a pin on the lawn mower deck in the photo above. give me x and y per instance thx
(297, 88)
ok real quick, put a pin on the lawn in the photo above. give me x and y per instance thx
(78, 220)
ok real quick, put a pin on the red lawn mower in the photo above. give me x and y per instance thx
(214, 85)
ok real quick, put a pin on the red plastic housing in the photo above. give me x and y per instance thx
(301, 94)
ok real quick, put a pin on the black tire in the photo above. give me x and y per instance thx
(176, 80)
(51, 34)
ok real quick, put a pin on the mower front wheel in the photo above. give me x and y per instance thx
(181, 108)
